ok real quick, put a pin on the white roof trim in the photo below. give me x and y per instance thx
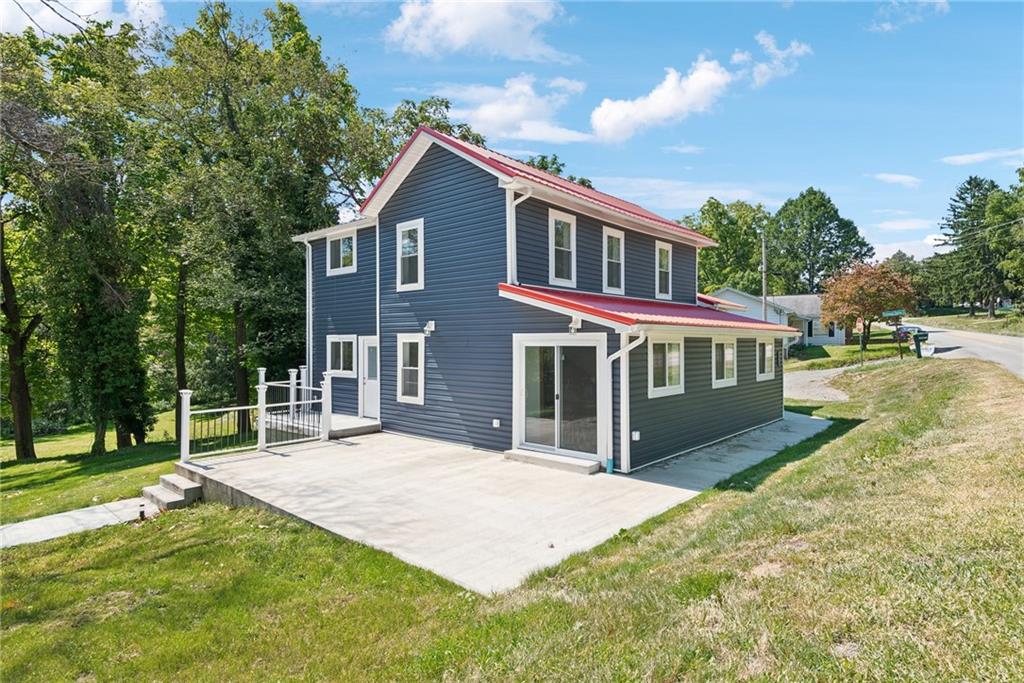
(752, 297)
(365, 222)
(408, 160)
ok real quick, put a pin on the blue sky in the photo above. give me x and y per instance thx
(885, 106)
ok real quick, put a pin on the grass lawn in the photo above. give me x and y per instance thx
(887, 547)
(880, 346)
(66, 477)
(957, 319)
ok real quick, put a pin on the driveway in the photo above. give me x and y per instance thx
(999, 348)
(813, 385)
(479, 520)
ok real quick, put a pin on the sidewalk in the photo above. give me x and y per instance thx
(72, 521)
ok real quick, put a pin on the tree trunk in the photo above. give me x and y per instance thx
(99, 438)
(991, 306)
(124, 437)
(865, 336)
(241, 374)
(17, 390)
(139, 433)
(971, 311)
(179, 345)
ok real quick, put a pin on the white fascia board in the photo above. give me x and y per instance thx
(615, 218)
(365, 222)
(564, 310)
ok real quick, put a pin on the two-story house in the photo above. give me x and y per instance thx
(481, 301)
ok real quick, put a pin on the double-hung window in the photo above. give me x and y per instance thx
(663, 270)
(410, 368)
(341, 355)
(664, 366)
(409, 266)
(561, 248)
(613, 258)
(723, 362)
(765, 359)
(341, 253)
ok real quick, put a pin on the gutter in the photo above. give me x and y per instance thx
(618, 356)
(511, 260)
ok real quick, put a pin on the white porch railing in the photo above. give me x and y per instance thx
(285, 412)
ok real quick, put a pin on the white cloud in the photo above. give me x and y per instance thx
(740, 57)
(497, 29)
(684, 148)
(675, 98)
(919, 249)
(568, 85)
(781, 62)
(138, 12)
(895, 14)
(677, 195)
(907, 224)
(898, 179)
(1012, 156)
(514, 111)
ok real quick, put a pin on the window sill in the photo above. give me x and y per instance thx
(663, 297)
(557, 282)
(409, 288)
(765, 378)
(340, 271)
(342, 374)
(410, 400)
(723, 383)
(661, 392)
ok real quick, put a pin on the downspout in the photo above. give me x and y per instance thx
(512, 266)
(609, 464)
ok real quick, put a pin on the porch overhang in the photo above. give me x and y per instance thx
(632, 316)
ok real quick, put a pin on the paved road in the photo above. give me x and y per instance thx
(1003, 349)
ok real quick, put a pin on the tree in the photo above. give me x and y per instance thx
(555, 166)
(813, 241)
(907, 265)
(736, 261)
(1004, 218)
(863, 292)
(975, 261)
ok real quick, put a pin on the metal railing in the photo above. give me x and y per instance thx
(286, 412)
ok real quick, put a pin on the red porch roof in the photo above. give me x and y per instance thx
(629, 311)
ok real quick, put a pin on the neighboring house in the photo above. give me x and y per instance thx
(484, 302)
(799, 311)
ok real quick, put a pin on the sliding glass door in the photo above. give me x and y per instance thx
(560, 394)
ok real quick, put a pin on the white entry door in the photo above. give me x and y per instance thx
(369, 382)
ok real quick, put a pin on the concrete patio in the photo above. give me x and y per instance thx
(471, 516)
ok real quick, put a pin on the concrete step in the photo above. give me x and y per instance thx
(556, 462)
(354, 430)
(163, 498)
(186, 488)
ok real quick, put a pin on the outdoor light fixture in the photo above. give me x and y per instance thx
(428, 328)
(574, 325)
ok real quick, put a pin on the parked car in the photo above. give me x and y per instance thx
(905, 333)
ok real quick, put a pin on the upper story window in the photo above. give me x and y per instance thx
(409, 241)
(561, 248)
(410, 368)
(341, 253)
(765, 359)
(614, 270)
(663, 272)
(664, 366)
(723, 362)
(341, 355)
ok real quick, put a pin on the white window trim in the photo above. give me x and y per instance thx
(399, 229)
(770, 374)
(342, 270)
(658, 246)
(658, 392)
(401, 339)
(554, 214)
(342, 338)
(730, 382)
(607, 232)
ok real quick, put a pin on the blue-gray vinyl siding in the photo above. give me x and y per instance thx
(468, 359)
(343, 304)
(672, 424)
(532, 243)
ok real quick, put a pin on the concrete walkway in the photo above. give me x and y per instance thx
(479, 520)
(72, 521)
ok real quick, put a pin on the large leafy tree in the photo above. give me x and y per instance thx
(736, 261)
(1004, 219)
(555, 166)
(976, 257)
(813, 242)
(864, 292)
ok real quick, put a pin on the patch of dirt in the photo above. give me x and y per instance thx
(846, 650)
(767, 569)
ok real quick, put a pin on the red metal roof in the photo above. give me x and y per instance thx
(630, 311)
(517, 169)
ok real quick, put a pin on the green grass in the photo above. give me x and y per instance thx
(1005, 321)
(65, 476)
(886, 547)
(880, 346)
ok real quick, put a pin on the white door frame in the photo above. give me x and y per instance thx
(598, 340)
(363, 343)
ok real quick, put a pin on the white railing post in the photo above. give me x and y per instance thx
(292, 374)
(261, 374)
(325, 408)
(261, 416)
(303, 382)
(186, 409)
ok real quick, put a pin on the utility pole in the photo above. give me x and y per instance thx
(764, 278)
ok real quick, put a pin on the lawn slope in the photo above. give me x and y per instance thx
(887, 547)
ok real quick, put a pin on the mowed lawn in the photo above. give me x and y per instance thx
(887, 547)
(837, 356)
(1005, 321)
(65, 476)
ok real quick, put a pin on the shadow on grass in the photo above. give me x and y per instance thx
(752, 477)
(810, 353)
